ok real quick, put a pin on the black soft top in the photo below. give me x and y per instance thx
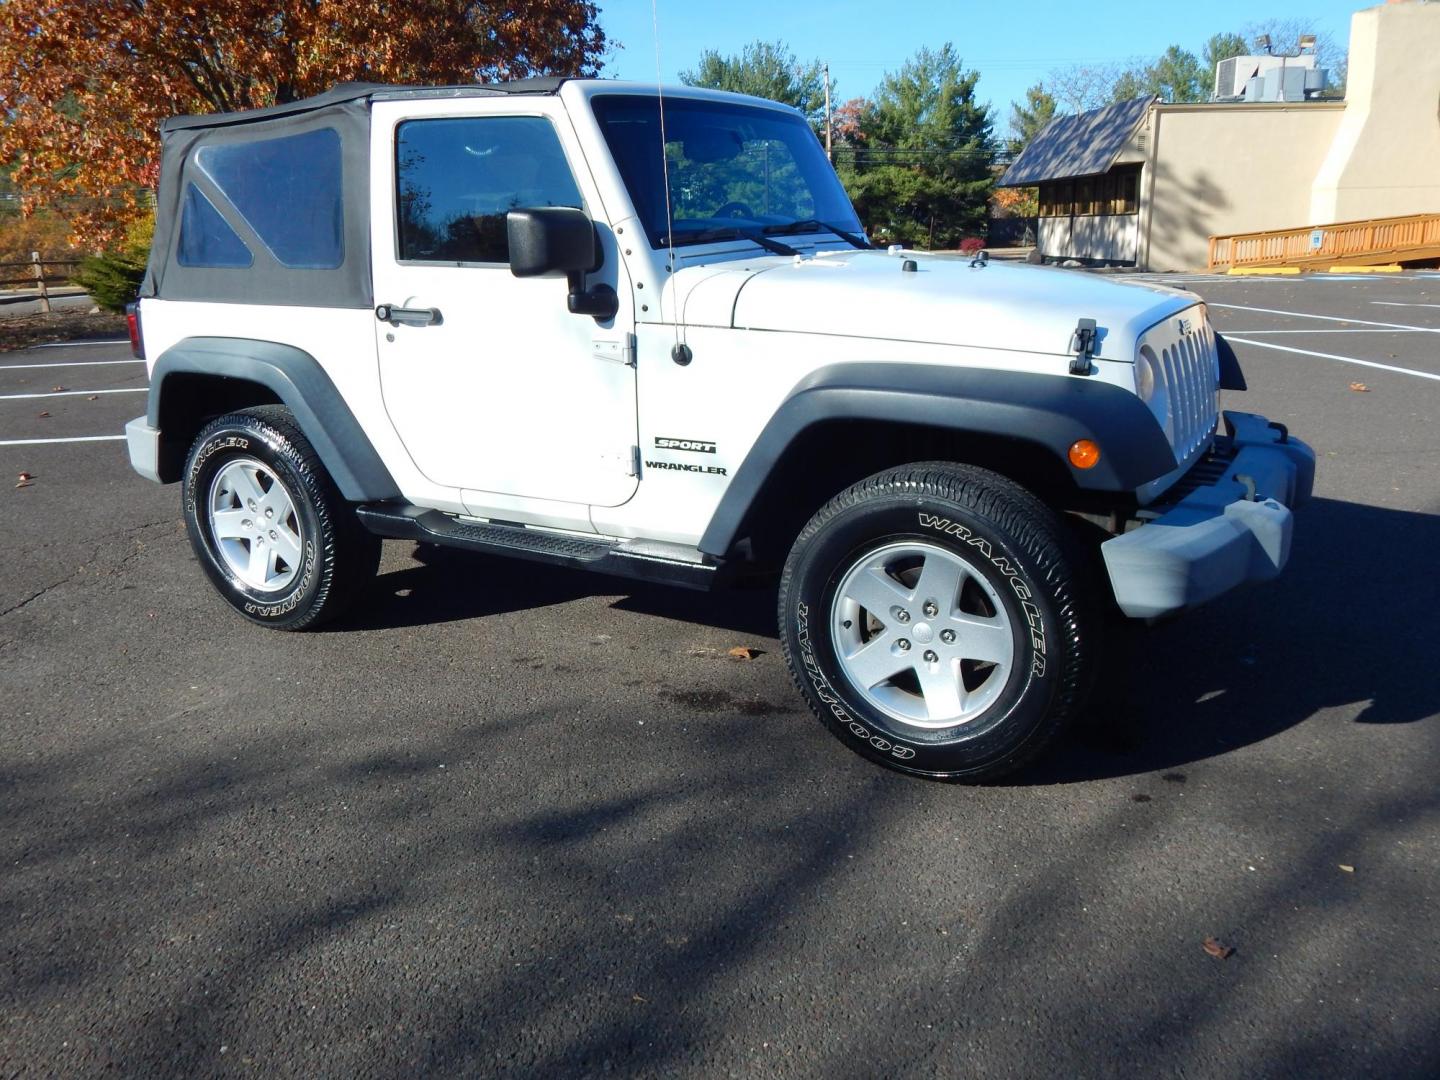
(342, 93)
(292, 227)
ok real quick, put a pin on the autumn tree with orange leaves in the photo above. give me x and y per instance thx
(84, 84)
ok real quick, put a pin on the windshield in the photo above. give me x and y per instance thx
(734, 169)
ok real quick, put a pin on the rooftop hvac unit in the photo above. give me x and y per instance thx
(1233, 76)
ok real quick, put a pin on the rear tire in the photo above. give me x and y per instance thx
(940, 620)
(271, 531)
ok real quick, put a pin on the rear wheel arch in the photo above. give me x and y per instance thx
(199, 379)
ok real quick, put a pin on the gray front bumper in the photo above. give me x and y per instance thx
(1228, 525)
(143, 442)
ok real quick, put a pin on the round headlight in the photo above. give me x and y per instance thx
(1145, 373)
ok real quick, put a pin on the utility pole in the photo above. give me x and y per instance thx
(829, 153)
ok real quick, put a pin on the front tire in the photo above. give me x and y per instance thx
(940, 621)
(268, 526)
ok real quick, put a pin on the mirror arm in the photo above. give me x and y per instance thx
(599, 301)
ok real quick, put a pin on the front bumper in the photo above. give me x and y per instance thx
(143, 442)
(1226, 523)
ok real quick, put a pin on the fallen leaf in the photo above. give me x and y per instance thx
(25, 479)
(637, 997)
(26, 476)
(1218, 949)
(43, 415)
(744, 652)
(23, 483)
(1359, 388)
(57, 389)
(1347, 869)
(93, 397)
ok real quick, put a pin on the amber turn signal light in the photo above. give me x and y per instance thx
(1084, 454)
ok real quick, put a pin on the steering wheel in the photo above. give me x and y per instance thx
(734, 210)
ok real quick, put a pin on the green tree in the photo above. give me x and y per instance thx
(921, 171)
(768, 70)
(1223, 47)
(1027, 120)
(1176, 75)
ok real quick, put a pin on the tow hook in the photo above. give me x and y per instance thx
(1249, 482)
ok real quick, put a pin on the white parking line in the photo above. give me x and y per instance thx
(1401, 303)
(77, 438)
(73, 344)
(76, 393)
(1332, 356)
(69, 363)
(1326, 318)
(1324, 330)
(1329, 330)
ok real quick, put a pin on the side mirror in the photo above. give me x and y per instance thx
(560, 239)
(551, 239)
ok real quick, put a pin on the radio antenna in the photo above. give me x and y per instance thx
(665, 173)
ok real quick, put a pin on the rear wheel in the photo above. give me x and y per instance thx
(270, 530)
(940, 620)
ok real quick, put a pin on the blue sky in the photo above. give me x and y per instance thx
(1012, 44)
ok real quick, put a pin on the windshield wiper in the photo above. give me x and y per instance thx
(813, 224)
(730, 232)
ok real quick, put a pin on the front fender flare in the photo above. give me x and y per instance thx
(1051, 411)
(298, 380)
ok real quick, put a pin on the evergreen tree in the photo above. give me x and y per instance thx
(1027, 120)
(921, 171)
(768, 70)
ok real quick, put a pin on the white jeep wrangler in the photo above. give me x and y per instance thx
(589, 324)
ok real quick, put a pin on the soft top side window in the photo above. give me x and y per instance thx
(457, 178)
(288, 190)
(206, 238)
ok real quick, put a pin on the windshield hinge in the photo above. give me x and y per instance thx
(1082, 344)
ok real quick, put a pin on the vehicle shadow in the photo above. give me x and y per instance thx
(449, 585)
(1353, 621)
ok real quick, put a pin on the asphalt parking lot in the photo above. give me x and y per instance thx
(512, 820)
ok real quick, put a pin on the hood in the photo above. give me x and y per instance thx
(943, 301)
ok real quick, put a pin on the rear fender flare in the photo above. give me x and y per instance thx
(301, 384)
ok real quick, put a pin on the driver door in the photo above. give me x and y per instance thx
(490, 382)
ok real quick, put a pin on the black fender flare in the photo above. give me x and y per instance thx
(1231, 377)
(298, 380)
(1051, 411)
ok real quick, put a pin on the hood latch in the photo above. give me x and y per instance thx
(1082, 344)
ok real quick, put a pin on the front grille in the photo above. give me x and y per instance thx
(1186, 372)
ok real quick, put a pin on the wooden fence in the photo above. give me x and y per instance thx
(38, 274)
(1348, 243)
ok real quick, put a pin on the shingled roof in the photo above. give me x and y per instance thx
(1085, 144)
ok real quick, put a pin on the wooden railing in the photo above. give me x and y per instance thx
(38, 274)
(1348, 243)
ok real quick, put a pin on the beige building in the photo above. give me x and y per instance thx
(1146, 184)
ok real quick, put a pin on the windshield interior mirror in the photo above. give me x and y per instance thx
(707, 145)
(561, 240)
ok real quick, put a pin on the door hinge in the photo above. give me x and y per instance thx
(634, 461)
(617, 352)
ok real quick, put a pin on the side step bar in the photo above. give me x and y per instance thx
(646, 560)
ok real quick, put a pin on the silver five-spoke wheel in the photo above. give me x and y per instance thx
(922, 635)
(257, 531)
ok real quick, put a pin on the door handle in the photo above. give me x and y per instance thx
(410, 316)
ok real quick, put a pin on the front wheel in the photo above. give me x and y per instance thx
(272, 533)
(939, 620)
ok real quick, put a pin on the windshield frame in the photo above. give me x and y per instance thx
(636, 163)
